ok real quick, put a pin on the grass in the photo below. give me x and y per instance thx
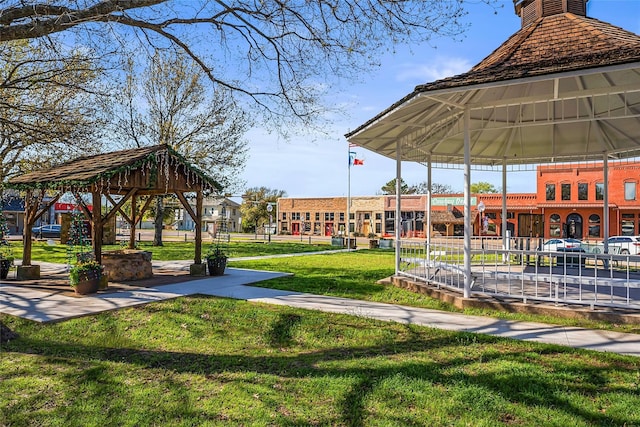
(213, 361)
(210, 361)
(42, 251)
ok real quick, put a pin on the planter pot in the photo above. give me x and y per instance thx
(5, 266)
(373, 244)
(88, 283)
(216, 266)
(89, 286)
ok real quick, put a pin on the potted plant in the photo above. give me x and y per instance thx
(84, 277)
(5, 265)
(216, 261)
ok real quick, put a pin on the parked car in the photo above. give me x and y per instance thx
(46, 231)
(627, 244)
(552, 245)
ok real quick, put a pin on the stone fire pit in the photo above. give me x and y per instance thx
(127, 264)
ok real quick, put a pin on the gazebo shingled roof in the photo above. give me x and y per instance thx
(113, 170)
(528, 100)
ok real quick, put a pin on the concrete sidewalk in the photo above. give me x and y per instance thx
(43, 306)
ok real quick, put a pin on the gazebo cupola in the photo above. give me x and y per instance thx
(531, 10)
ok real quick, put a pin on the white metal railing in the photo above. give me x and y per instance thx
(584, 276)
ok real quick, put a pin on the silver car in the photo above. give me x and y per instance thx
(626, 244)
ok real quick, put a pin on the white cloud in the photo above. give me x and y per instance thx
(439, 68)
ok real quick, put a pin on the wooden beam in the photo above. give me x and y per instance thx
(187, 206)
(118, 206)
(198, 220)
(97, 225)
(144, 209)
(46, 207)
(31, 213)
(124, 214)
(26, 235)
(132, 223)
(83, 206)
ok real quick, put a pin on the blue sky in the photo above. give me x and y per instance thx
(303, 167)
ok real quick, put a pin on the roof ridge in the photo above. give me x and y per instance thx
(511, 45)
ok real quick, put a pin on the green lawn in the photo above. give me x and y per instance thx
(210, 361)
(43, 251)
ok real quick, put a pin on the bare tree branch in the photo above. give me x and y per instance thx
(280, 55)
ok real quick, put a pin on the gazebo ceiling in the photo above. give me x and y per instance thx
(563, 88)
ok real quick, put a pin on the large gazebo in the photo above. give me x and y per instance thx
(564, 88)
(113, 179)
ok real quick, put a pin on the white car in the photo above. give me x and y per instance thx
(627, 244)
(552, 245)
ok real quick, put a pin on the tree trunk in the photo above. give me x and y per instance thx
(157, 235)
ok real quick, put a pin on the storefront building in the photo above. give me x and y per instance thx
(568, 202)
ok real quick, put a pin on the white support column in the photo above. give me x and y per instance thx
(468, 230)
(398, 198)
(505, 243)
(605, 201)
(427, 223)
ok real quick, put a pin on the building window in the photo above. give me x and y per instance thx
(629, 190)
(551, 192)
(307, 216)
(628, 224)
(328, 216)
(341, 216)
(594, 225)
(583, 191)
(295, 216)
(378, 227)
(599, 191)
(352, 215)
(389, 222)
(511, 215)
(566, 191)
(284, 215)
(317, 216)
(378, 216)
(554, 225)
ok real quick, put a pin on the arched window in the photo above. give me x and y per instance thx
(594, 225)
(554, 225)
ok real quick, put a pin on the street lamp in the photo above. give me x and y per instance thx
(481, 208)
(270, 209)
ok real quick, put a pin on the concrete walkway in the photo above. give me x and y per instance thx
(44, 306)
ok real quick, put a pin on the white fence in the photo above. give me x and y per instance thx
(584, 276)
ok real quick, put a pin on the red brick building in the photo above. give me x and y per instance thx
(568, 202)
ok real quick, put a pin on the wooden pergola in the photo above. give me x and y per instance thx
(126, 175)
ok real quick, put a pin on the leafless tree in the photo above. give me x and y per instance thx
(170, 104)
(280, 54)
